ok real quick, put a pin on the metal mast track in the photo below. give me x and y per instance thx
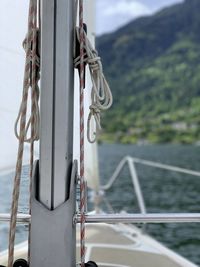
(53, 235)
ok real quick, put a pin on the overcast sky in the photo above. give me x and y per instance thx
(112, 14)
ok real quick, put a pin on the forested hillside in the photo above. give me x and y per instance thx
(153, 66)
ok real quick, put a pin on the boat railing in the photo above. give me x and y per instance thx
(131, 162)
(143, 216)
(134, 177)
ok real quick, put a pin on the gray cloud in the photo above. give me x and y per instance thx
(112, 14)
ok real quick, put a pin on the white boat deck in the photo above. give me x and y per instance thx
(117, 246)
(121, 245)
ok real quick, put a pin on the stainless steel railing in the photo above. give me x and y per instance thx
(143, 217)
(134, 177)
(140, 218)
(21, 218)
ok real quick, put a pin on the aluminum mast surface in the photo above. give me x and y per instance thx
(53, 237)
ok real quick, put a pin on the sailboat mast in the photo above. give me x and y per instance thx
(53, 202)
(57, 83)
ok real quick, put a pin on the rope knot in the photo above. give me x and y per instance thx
(29, 47)
(94, 63)
(94, 109)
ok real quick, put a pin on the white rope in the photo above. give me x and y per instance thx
(35, 116)
(31, 78)
(101, 96)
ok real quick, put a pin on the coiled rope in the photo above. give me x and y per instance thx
(31, 78)
(101, 96)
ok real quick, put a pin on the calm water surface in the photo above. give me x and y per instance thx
(163, 191)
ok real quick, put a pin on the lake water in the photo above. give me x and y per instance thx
(164, 191)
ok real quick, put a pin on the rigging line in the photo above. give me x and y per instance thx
(34, 120)
(82, 180)
(21, 147)
(101, 99)
(23, 130)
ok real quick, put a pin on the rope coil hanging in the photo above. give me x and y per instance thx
(31, 78)
(101, 96)
(34, 119)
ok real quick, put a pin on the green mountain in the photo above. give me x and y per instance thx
(153, 67)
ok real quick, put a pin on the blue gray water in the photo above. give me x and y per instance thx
(163, 191)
